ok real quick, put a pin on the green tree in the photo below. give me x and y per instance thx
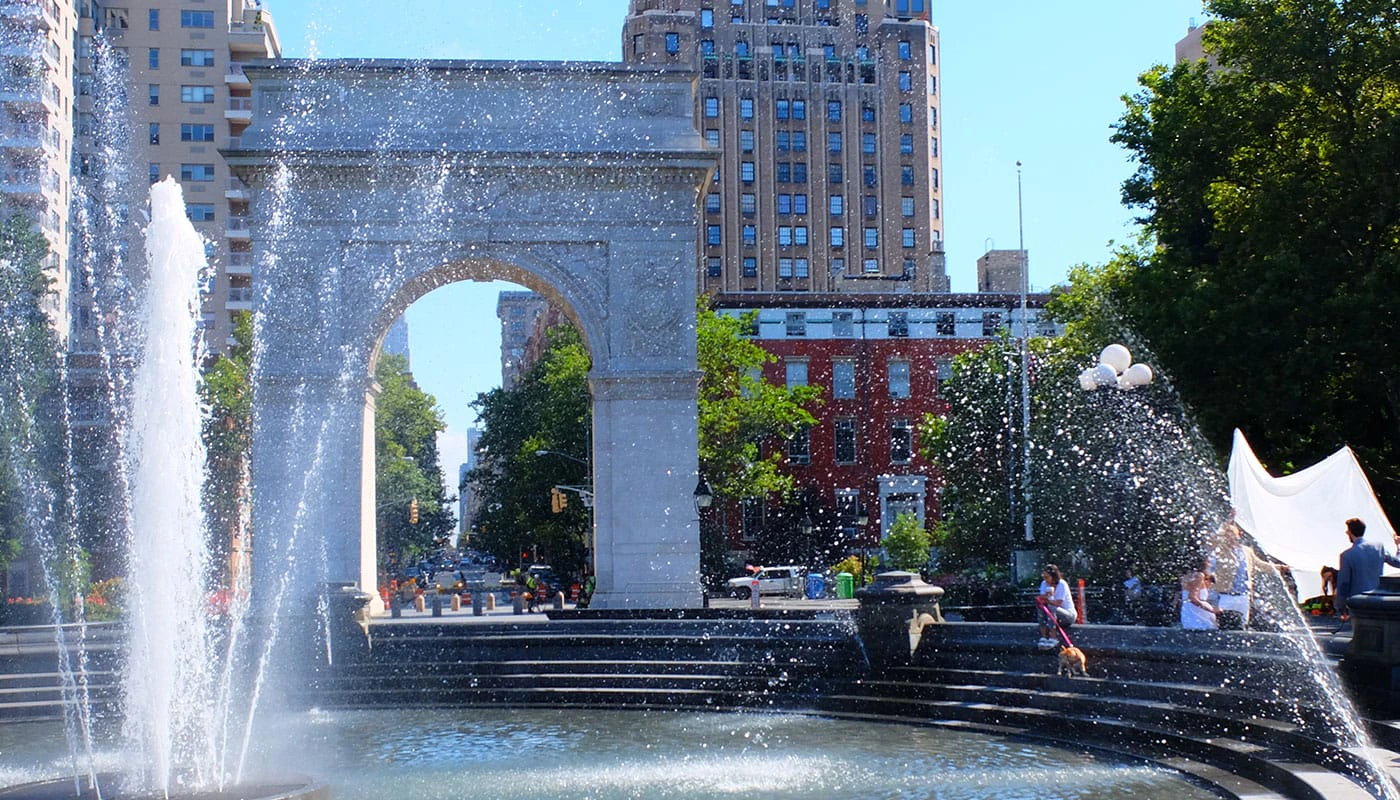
(32, 436)
(407, 421)
(1268, 187)
(738, 412)
(226, 391)
(547, 410)
(907, 543)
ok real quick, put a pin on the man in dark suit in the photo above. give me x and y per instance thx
(1361, 565)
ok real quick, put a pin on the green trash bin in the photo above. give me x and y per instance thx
(845, 586)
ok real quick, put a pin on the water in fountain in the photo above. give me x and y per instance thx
(169, 668)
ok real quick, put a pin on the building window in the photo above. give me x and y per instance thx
(799, 203)
(784, 236)
(871, 205)
(196, 132)
(200, 212)
(833, 110)
(746, 171)
(844, 431)
(784, 268)
(795, 373)
(898, 324)
(800, 446)
(153, 172)
(780, 109)
(799, 172)
(906, 143)
(196, 94)
(870, 265)
(945, 324)
(898, 375)
(713, 266)
(782, 141)
(833, 173)
(838, 236)
(867, 143)
(799, 110)
(711, 201)
(750, 234)
(707, 48)
(799, 235)
(906, 176)
(784, 204)
(746, 141)
(795, 324)
(746, 107)
(870, 176)
(906, 207)
(803, 270)
(872, 237)
(707, 18)
(153, 22)
(196, 172)
(153, 57)
(153, 94)
(906, 112)
(904, 51)
(843, 378)
(154, 134)
(906, 237)
(933, 209)
(901, 441)
(196, 19)
(741, 49)
(799, 141)
(712, 106)
(933, 178)
(906, 82)
(750, 267)
(196, 58)
(933, 147)
(673, 42)
(842, 322)
(943, 368)
(712, 235)
(833, 142)
(991, 322)
(748, 203)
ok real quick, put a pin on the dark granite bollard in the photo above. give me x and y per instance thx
(891, 616)
(1372, 664)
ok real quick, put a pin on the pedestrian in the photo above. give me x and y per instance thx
(1197, 614)
(1361, 566)
(1054, 606)
(1329, 580)
(1233, 567)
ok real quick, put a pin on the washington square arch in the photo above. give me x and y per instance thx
(374, 182)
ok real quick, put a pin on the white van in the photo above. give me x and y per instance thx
(788, 580)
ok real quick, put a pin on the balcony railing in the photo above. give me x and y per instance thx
(233, 143)
(240, 104)
(235, 73)
(239, 259)
(237, 223)
(243, 294)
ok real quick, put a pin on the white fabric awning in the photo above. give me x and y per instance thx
(1300, 519)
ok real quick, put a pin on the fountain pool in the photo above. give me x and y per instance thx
(465, 754)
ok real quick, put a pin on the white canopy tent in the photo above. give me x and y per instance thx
(1300, 519)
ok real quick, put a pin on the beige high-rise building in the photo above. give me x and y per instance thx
(187, 98)
(518, 312)
(826, 112)
(1002, 271)
(36, 129)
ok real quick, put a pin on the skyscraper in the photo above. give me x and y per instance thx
(36, 130)
(826, 112)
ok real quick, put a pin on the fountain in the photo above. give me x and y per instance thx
(621, 702)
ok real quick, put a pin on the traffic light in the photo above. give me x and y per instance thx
(558, 501)
(525, 555)
(413, 511)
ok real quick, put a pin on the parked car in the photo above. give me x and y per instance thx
(786, 580)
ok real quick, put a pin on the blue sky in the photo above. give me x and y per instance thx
(1022, 80)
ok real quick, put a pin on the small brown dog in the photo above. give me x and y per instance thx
(1072, 661)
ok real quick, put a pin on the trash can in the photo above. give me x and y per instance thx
(816, 586)
(845, 586)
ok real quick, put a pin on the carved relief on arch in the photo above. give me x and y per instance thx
(654, 321)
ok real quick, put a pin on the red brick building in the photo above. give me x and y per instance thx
(880, 364)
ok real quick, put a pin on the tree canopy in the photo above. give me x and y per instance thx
(226, 391)
(407, 421)
(1268, 185)
(548, 409)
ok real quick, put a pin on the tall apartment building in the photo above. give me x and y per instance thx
(37, 60)
(518, 312)
(187, 97)
(826, 113)
(1002, 271)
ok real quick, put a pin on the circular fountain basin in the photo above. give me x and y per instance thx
(471, 754)
(289, 789)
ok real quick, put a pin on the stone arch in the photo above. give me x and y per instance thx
(579, 181)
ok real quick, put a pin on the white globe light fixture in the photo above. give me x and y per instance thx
(1117, 357)
(1115, 370)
